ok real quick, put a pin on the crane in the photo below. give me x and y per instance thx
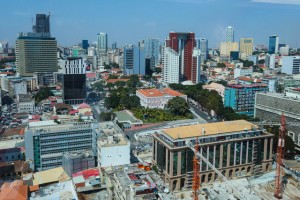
(279, 159)
(196, 169)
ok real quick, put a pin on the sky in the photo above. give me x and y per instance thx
(130, 21)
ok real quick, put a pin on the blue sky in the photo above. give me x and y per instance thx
(129, 21)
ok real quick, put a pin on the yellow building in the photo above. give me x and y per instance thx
(246, 47)
(227, 47)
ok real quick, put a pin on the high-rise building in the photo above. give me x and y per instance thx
(273, 44)
(46, 141)
(291, 64)
(270, 61)
(227, 47)
(114, 45)
(183, 44)
(284, 51)
(241, 98)
(196, 65)
(152, 51)
(202, 44)
(229, 34)
(102, 42)
(236, 148)
(74, 80)
(170, 59)
(246, 47)
(234, 55)
(36, 52)
(134, 60)
(85, 44)
(42, 24)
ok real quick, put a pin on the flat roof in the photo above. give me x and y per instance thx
(216, 128)
(126, 116)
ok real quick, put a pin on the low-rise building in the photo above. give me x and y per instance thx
(25, 103)
(219, 88)
(241, 97)
(242, 71)
(269, 107)
(11, 154)
(154, 98)
(127, 120)
(113, 146)
(235, 148)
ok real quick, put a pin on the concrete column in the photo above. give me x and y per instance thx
(171, 164)
(167, 161)
(207, 156)
(155, 151)
(201, 160)
(214, 156)
(179, 163)
(241, 153)
(234, 156)
(271, 148)
(265, 148)
(228, 154)
(221, 156)
(247, 150)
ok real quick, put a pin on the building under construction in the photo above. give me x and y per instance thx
(235, 148)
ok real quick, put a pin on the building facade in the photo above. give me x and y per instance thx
(25, 103)
(152, 51)
(273, 44)
(74, 80)
(236, 149)
(270, 106)
(202, 44)
(171, 68)
(291, 64)
(241, 98)
(102, 42)
(227, 47)
(270, 61)
(46, 141)
(229, 37)
(134, 60)
(183, 44)
(36, 52)
(246, 47)
(42, 24)
(154, 98)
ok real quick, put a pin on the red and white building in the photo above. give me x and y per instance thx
(154, 98)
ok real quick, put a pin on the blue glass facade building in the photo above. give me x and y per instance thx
(241, 98)
(134, 60)
(273, 44)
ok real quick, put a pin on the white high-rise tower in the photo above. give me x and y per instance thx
(229, 34)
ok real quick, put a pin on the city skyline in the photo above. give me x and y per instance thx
(156, 19)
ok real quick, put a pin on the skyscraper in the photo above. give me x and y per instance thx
(246, 47)
(134, 60)
(85, 44)
(273, 44)
(74, 80)
(152, 51)
(114, 45)
(170, 65)
(183, 44)
(202, 44)
(102, 42)
(36, 52)
(229, 34)
(42, 24)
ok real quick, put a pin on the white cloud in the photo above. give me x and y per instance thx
(291, 2)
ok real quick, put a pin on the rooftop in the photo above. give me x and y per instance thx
(13, 131)
(159, 93)
(127, 116)
(50, 176)
(14, 190)
(209, 129)
(247, 86)
(24, 98)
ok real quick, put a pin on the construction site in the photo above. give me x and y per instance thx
(229, 161)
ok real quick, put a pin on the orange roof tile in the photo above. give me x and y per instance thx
(15, 190)
(171, 92)
(151, 92)
(34, 188)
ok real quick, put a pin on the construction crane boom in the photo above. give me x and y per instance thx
(279, 159)
(191, 146)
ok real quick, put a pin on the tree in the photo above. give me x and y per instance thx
(6, 100)
(111, 76)
(98, 86)
(157, 70)
(130, 102)
(221, 65)
(43, 93)
(262, 61)
(106, 116)
(280, 88)
(133, 81)
(178, 106)
(112, 101)
(107, 67)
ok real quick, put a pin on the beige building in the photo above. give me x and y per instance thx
(217, 87)
(36, 52)
(246, 47)
(227, 47)
(235, 148)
